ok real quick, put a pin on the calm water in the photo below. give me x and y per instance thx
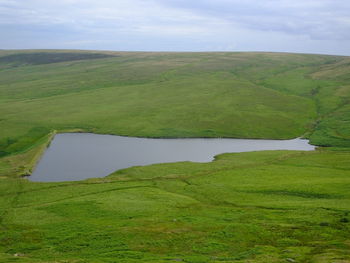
(77, 156)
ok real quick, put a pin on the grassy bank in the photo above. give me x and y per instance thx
(241, 95)
(274, 206)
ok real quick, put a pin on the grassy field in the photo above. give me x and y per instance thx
(242, 95)
(272, 206)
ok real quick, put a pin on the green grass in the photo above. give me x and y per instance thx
(38, 58)
(271, 206)
(249, 207)
(242, 95)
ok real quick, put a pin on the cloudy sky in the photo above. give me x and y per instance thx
(307, 26)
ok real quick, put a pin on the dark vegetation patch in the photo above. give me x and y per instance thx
(302, 194)
(48, 58)
(12, 145)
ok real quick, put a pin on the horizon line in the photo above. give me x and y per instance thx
(158, 51)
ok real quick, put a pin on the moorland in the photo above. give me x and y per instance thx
(268, 206)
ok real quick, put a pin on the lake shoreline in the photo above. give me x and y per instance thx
(229, 145)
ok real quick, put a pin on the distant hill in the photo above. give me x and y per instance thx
(240, 95)
(38, 58)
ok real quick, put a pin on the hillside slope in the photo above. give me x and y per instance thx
(257, 207)
(241, 95)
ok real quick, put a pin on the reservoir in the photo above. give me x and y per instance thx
(78, 156)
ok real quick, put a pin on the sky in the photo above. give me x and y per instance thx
(301, 26)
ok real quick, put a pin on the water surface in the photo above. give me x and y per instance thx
(78, 156)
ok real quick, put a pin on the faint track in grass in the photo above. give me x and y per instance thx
(87, 194)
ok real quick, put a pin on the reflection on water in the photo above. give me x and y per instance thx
(77, 156)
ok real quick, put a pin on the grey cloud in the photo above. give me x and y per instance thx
(322, 19)
(321, 26)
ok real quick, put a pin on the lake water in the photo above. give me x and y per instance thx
(78, 156)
